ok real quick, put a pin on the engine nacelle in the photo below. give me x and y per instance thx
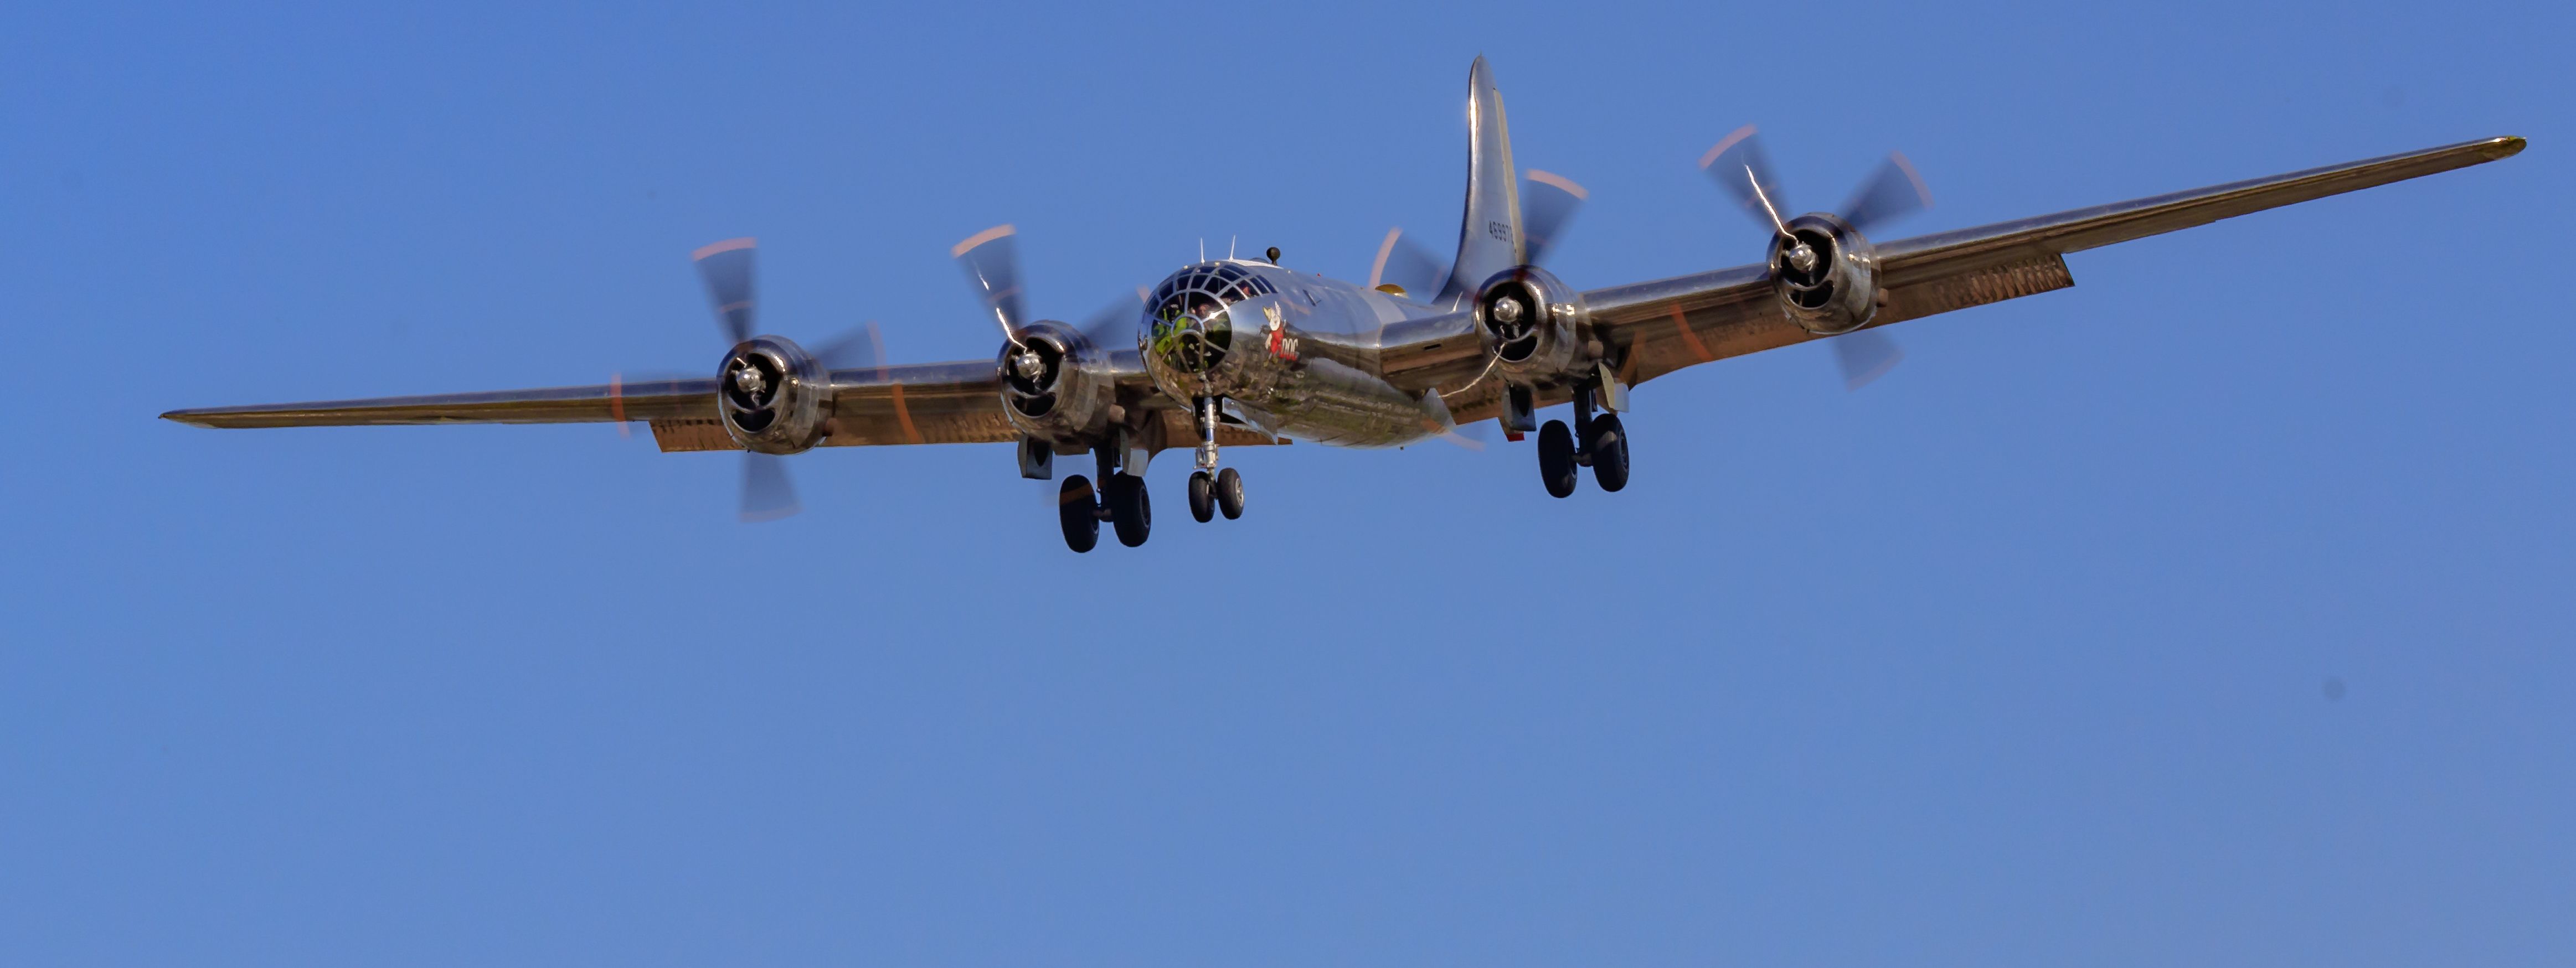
(1531, 324)
(772, 396)
(1056, 385)
(1825, 274)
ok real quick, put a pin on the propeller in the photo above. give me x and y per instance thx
(726, 267)
(1738, 164)
(1441, 424)
(1114, 325)
(1548, 203)
(992, 263)
(1407, 265)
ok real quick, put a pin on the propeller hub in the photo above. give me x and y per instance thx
(1802, 257)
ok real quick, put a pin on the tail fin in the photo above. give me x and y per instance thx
(1489, 240)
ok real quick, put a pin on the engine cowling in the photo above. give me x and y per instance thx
(1531, 323)
(1056, 385)
(773, 396)
(1825, 274)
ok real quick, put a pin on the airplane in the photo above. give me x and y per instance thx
(1239, 352)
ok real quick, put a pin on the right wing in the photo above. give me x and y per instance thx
(1675, 323)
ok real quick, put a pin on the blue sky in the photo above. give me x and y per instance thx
(2019, 656)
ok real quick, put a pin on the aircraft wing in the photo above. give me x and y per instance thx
(1674, 323)
(919, 403)
(923, 403)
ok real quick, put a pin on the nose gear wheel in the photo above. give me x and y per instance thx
(1229, 493)
(1203, 496)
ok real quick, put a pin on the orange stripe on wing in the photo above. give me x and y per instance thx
(1691, 339)
(903, 415)
(617, 402)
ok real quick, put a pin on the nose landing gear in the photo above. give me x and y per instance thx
(1604, 448)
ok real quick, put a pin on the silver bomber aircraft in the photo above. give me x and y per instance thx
(1237, 352)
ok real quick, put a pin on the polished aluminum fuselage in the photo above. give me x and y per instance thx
(1305, 360)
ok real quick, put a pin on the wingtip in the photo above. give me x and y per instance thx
(2505, 147)
(188, 417)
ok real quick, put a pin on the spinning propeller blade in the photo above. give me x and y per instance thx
(1113, 326)
(766, 493)
(1738, 164)
(1403, 263)
(726, 267)
(859, 349)
(1865, 356)
(1548, 204)
(1891, 193)
(1446, 427)
(992, 263)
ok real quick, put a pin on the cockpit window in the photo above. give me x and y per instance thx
(1187, 314)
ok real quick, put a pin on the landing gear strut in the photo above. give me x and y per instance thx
(1212, 490)
(1604, 448)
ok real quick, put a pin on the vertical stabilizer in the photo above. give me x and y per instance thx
(1489, 240)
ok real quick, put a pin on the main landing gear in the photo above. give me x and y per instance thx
(1212, 490)
(1604, 449)
(1122, 501)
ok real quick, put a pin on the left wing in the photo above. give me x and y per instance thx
(922, 403)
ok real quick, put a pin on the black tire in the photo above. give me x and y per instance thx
(1556, 458)
(1609, 450)
(1229, 493)
(1080, 512)
(1202, 497)
(1130, 509)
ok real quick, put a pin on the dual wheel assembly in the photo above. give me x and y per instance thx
(1604, 449)
(1129, 509)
